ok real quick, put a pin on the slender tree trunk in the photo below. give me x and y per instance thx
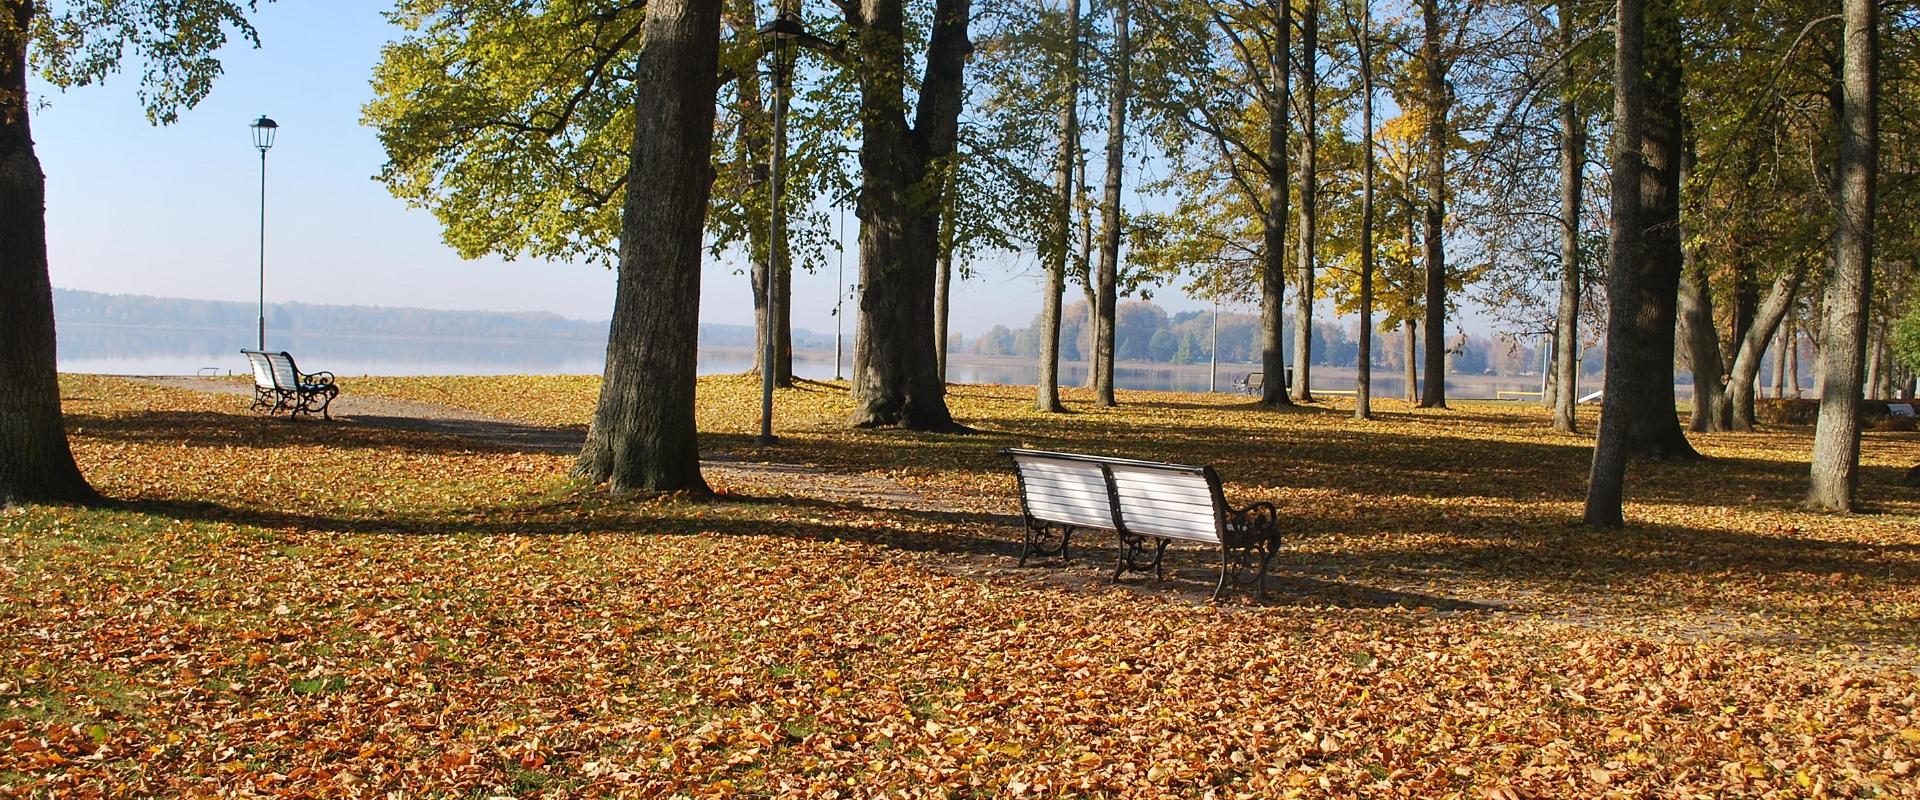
(1793, 354)
(1047, 390)
(1737, 405)
(1703, 348)
(1836, 438)
(1409, 357)
(36, 465)
(1780, 348)
(1273, 266)
(1566, 322)
(754, 138)
(1309, 236)
(1363, 383)
(643, 434)
(1876, 349)
(1434, 394)
(894, 378)
(943, 292)
(1118, 97)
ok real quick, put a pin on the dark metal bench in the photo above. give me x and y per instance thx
(279, 386)
(1253, 382)
(1148, 505)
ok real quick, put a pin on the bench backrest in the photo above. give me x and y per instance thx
(273, 370)
(1176, 501)
(1255, 380)
(1070, 491)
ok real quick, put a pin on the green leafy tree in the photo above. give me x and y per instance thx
(76, 43)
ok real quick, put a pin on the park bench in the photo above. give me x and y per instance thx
(1148, 505)
(278, 386)
(1253, 382)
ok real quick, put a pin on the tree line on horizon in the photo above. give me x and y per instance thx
(1392, 158)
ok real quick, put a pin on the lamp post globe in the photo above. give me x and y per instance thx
(264, 131)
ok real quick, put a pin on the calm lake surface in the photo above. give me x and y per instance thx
(152, 351)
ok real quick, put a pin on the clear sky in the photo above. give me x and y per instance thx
(173, 211)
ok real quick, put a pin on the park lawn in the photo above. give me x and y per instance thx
(337, 610)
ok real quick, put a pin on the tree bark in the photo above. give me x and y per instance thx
(1638, 416)
(943, 292)
(1273, 264)
(1047, 388)
(1737, 403)
(1566, 322)
(1793, 353)
(1363, 383)
(36, 463)
(1096, 327)
(1835, 472)
(1703, 347)
(643, 434)
(1309, 235)
(1118, 96)
(895, 382)
(1434, 393)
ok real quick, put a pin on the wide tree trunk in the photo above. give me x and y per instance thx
(1363, 377)
(643, 432)
(36, 465)
(1638, 416)
(1117, 97)
(1566, 321)
(1434, 393)
(1737, 402)
(1309, 235)
(895, 380)
(1046, 395)
(1836, 438)
(1273, 262)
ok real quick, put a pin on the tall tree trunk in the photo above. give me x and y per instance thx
(1793, 354)
(1363, 378)
(1703, 348)
(1835, 471)
(1876, 350)
(643, 434)
(1309, 236)
(1434, 394)
(1273, 264)
(1409, 368)
(1780, 348)
(1118, 96)
(1737, 404)
(1047, 389)
(1566, 321)
(1638, 416)
(943, 289)
(894, 379)
(36, 465)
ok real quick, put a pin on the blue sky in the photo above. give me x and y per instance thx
(173, 210)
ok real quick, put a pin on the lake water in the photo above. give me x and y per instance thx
(146, 351)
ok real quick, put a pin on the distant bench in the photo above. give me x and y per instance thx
(1148, 504)
(279, 386)
(1253, 382)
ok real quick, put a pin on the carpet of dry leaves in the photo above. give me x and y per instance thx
(313, 610)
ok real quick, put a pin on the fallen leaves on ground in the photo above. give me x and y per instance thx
(317, 610)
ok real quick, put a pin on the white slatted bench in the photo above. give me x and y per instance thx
(279, 386)
(1148, 505)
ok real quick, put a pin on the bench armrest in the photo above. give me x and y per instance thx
(322, 378)
(1254, 522)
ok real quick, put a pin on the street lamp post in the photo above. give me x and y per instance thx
(786, 31)
(264, 130)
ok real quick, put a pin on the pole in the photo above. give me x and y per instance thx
(262, 345)
(1213, 352)
(771, 352)
(839, 291)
